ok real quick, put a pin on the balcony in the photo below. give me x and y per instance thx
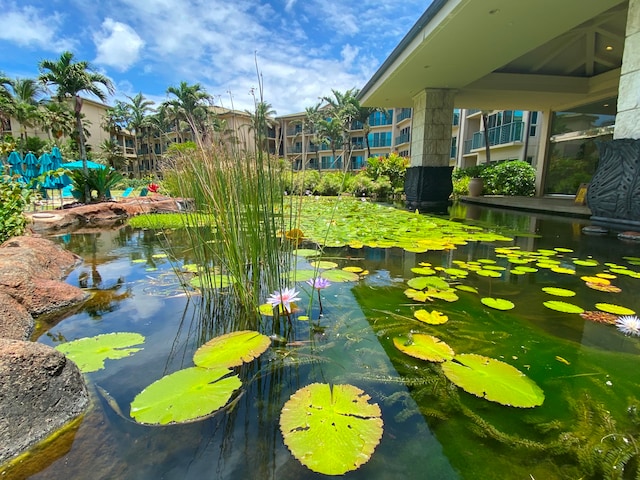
(404, 138)
(504, 134)
(295, 149)
(404, 113)
(454, 151)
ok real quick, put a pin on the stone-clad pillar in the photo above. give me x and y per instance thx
(614, 192)
(428, 180)
(628, 116)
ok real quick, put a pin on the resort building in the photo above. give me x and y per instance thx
(513, 135)
(580, 73)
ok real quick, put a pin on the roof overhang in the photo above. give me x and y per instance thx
(503, 54)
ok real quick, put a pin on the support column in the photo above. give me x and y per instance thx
(628, 116)
(542, 162)
(428, 180)
(614, 192)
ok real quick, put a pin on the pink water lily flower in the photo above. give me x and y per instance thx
(284, 297)
(319, 283)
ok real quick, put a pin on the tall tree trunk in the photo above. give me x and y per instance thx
(81, 145)
(487, 147)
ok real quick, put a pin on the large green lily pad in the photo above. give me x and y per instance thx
(185, 396)
(432, 318)
(232, 349)
(340, 276)
(331, 430)
(563, 306)
(90, 353)
(425, 347)
(494, 380)
(497, 303)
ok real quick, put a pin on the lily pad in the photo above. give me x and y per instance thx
(323, 264)
(466, 288)
(488, 273)
(559, 292)
(331, 430)
(232, 349)
(423, 270)
(497, 303)
(432, 318)
(90, 353)
(340, 276)
(425, 347)
(184, 396)
(494, 380)
(306, 252)
(300, 275)
(563, 306)
(353, 269)
(213, 281)
(420, 283)
(615, 309)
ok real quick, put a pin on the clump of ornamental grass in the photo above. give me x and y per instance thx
(244, 250)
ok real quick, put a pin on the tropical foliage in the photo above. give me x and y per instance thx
(512, 177)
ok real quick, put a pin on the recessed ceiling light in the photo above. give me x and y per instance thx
(606, 105)
(608, 48)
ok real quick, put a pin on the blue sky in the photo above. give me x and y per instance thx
(304, 48)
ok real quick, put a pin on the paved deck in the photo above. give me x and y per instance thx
(553, 205)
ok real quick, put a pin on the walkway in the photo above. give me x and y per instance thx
(553, 205)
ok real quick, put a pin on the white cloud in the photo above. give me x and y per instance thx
(31, 27)
(118, 45)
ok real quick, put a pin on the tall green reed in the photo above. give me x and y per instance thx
(243, 194)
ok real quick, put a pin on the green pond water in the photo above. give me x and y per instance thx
(589, 372)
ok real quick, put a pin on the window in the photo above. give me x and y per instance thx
(380, 139)
(534, 124)
(381, 118)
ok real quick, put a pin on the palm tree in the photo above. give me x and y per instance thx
(261, 121)
(72, 78)
(111, 151)
(331, 131)
(138, 109)
(190, 105)
(26, 97)
(57, 119)
(310, 127)
(6, 101)
(345, 108)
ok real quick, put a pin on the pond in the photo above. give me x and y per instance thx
(589, 371)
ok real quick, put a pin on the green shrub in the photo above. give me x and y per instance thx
(100, 180)
(302, 182)
(331, 184)
(514, 177)
(13, 200)
(393, 167)
(461, 186)
(362, 185)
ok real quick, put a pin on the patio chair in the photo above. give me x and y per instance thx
(144, 192)
(127, 192)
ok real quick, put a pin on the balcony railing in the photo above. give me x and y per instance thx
(468, 144)
(454, 151)
(404, 138)
(295, 149)
(509, 133)
(404, 113)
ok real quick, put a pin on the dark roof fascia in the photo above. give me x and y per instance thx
(424, 19)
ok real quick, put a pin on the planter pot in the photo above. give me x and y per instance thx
(475, 187)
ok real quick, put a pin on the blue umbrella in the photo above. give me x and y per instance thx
(46, 166)
(31, 167)
(15, 162)
(77, 165)
(56, 163)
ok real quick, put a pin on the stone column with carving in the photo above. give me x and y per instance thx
(614, 192)
(428, 182)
